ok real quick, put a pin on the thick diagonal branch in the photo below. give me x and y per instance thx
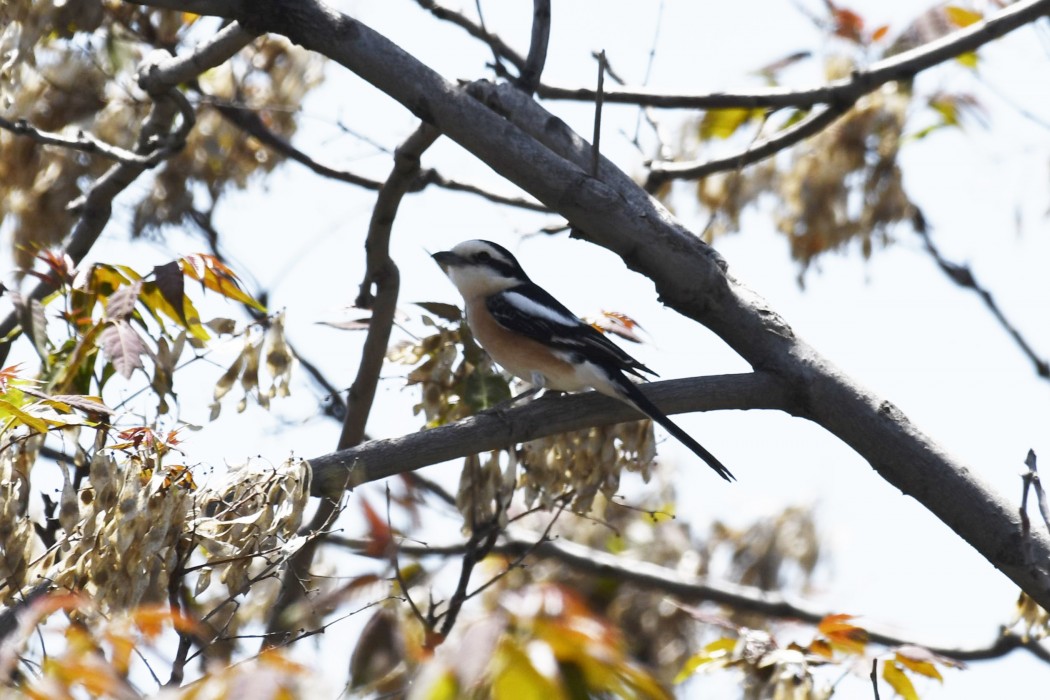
(378, 292)
(612, 211)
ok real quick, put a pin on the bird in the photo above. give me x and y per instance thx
(537, 339)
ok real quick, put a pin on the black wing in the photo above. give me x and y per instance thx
(529, 310)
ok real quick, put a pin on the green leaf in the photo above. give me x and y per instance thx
(484, 390)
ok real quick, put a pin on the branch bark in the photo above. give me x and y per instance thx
(549, 415)
(382, 274)
(614, 212)
(694, 589)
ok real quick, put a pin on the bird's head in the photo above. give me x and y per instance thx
(480, 268)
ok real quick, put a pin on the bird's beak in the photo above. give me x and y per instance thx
(446, 259)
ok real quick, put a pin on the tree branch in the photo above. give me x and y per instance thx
(963, 276)
(87, 143)
(899, 67)
(694, 589)
(691, 278)
(549, 415)
(530, 74)
(249, 121)
(499, 47)
(382, 273)
(95, 206)
(662, 171)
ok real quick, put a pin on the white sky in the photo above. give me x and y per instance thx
(894, 322)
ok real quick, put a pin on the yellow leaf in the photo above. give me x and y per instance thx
(514, 676)
(723, 123)
(968, 59)
(9, 411)
(154, 300)
(924, 668)
(894, 675)
(962, 17)
(444, 687)
(215, 275)
(719, 651)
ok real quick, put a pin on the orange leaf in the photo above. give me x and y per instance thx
(821, 647)
(842, 634)
(7, 374)
(880, 32)
(848, 24)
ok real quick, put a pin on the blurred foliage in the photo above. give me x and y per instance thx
(844, 185)
(129, 528)
(70, 66)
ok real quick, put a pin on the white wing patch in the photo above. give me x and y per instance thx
(529, 307)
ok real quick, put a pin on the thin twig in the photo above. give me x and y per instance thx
(875, 677)
(249, 121)
(683, 587)
(963, 276)
(88, 143)
(500, 49)
(529, 76)
(598, 102)
(690, 170)
(382, 274)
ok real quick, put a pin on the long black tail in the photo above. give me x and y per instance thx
(634, 396)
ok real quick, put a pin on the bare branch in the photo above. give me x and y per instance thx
(660, 172)
(250, 122)
(499, 47)
(847, 91)
(596, 142)
(530, 74)
(963, 276)
(165, 73)
(87, 143)
(381, 273)
(694, 589)
(612, 211)
(379, 459)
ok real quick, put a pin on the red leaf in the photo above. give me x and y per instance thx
(380, 536)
